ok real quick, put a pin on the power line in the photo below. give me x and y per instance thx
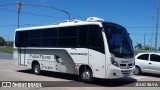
(45, 15)
(15, 11)
(43, 5)
(140, 33)
(8, 4)
(16, 25)
(77, 16)
(140, 27)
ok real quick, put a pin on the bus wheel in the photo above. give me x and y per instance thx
(36, 69)
(86, 76)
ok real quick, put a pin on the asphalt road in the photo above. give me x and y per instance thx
(10, 72)
(5, 56)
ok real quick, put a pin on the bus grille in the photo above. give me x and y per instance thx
(126, 66)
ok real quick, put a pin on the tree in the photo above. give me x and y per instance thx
(146, 47)
(9, 43)
(2, 41)
(138, 46)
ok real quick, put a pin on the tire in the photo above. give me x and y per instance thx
(137, 71)
(86, 76)
(36, 69)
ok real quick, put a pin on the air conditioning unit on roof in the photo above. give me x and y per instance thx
(94, 19)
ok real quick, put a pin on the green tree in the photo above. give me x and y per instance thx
(138, 46)
(2, 41)
(146, 47)
(9, 43)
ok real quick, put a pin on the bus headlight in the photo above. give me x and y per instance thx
(114, 62)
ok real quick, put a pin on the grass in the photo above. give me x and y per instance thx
(8, 50)
(138, 51)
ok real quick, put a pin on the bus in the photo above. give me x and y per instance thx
(91, 48)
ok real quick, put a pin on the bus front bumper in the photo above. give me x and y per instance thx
(116, 72)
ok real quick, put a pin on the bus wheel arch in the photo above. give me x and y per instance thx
(36, 67)
(85, 73)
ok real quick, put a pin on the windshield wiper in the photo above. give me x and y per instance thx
(122, 42)
(121, 47)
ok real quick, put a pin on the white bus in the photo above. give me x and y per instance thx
(92, 48)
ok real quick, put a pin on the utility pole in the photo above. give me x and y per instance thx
(156, 33)
(144, 40)
(8, 40)
(152, 31)
(19, 9)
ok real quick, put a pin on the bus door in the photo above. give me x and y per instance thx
(23, 38)
(97, 60)
(96, 52)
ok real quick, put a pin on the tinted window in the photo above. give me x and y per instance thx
(155, 58)
(83, 30)
(95, 38)
(17, 39)
(21, 39)
(68, 37)
(34, 43)
(143, 57)
(49, 37)
(67, 31)
(96, 41)
(34, 38)
(118, 39)
(35, 34)
(49, 42)
(94, 29)
(67, 42)
(49, 33)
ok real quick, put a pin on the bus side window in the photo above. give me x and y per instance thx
(35, 38)
(17, 39)
(67, 37)
(83, 39)
(21, 39)
(49, 37)
(95, 38)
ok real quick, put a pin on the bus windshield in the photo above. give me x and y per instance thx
(119, 42)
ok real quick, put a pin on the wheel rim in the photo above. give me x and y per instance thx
(86, 75)
(37, 69)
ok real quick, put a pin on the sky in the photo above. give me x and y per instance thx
(137, 16)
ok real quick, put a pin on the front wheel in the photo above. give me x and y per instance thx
(86, 76)
(36, 69)
(137, 71)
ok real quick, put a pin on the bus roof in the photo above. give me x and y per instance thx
(66, 23)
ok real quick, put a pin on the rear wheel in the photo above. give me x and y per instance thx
(36, 69)
(86, 76)
(137, 71)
